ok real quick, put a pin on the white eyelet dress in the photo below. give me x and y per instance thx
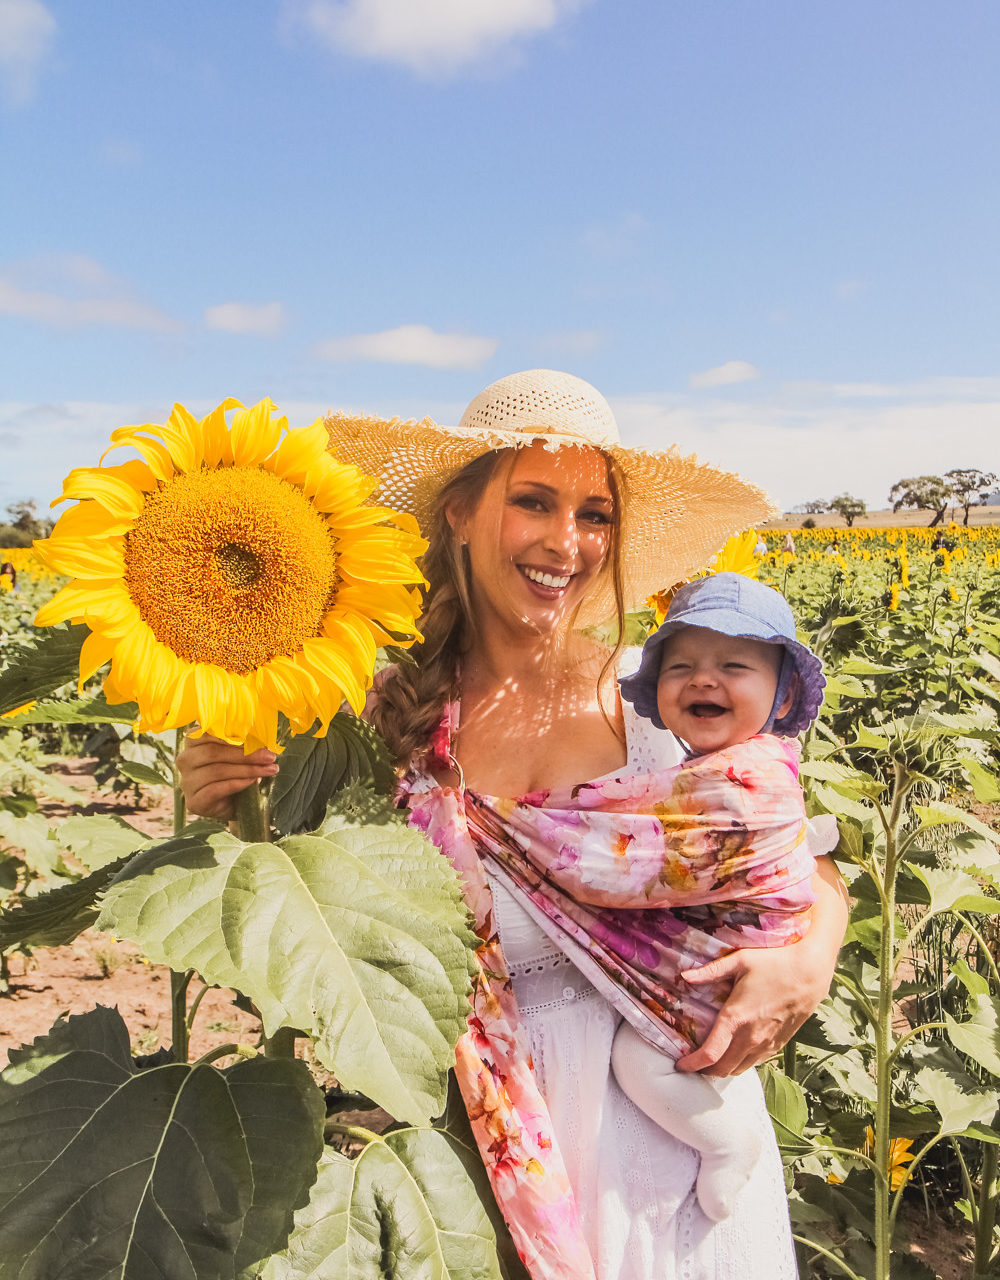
(634, 1183)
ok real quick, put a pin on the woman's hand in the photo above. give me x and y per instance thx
(212, 772)
(774, 991)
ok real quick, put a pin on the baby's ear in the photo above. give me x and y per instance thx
(790, 696)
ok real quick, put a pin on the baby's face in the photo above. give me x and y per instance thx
(716, 690)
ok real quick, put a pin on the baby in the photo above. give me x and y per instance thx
(723, 671)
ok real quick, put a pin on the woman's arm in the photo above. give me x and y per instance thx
(774, 990)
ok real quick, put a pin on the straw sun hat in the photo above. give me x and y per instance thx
(677, 512)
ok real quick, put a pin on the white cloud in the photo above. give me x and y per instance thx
(73, 290)
(801, 444)
(410, 344)
(27, 29)
(431, 37)
(262, 318)
(724, 375)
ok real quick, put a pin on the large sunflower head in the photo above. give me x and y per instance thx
(232, 571)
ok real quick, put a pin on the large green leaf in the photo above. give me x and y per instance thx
(55, 918)
(311, 771)
(175, 1170)
(359, 938)
(979, 1037)
(38, 669)
(958, 1110)
(939, 813)
(97, 838)
(954, 891)
(404, 1208)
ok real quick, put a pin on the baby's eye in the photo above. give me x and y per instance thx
(737, 666)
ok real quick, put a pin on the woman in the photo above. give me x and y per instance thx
(539, 521)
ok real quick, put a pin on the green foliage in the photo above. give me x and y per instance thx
(403, 1207)
(312, 770)
(358, 937)
(38, 669)
(204, 1186)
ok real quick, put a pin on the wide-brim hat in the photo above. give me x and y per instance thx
(738, 606)
(677, 512)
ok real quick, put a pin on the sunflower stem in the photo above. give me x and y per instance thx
(252, 819)
(281, 1044)
(179, 1031)
(180, 1028)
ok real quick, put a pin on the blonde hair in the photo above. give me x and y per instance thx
(413, 696)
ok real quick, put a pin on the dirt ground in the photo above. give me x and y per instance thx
(96, 969)
(887, 519)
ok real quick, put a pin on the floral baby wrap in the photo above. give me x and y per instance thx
(636, 879)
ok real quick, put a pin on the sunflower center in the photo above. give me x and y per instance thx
(238, 564)
(231, 566)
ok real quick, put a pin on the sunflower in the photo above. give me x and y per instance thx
(233, 571)
(739, 555)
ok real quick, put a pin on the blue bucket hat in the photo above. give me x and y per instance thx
(735, 605)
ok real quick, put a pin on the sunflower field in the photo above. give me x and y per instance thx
(345, 931)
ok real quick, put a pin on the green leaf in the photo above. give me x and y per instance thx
(835, 802)
(96, 710)
(97, 839)
(786, 1103)
(984, 783)
(55, 918)
(974, 983)
(954, 891)
(312, 770)
(958, 1110)
(845, 687)
(939, 813)
(404, 1208)
(38, 669)
(176, 1170)
(359, 938)
(32, 834)
(979, 1037)
(136, 772)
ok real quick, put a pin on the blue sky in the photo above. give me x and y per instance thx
(766, 230)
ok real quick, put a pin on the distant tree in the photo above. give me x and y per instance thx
(814, 507)
(25, 525)
(848, 506)
(967, 483)
(926, 493)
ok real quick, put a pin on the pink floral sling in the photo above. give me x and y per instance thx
(637, 879)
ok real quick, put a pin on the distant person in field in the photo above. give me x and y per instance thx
(789, 544)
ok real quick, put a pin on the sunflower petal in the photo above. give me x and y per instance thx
(254, 433)
(82, 559)
(154, 453)
(217, 447)
(96, 651)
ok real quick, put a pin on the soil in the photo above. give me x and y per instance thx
(888, 519)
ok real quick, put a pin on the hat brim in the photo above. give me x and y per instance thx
(677, 511)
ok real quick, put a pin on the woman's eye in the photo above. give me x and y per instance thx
(596, 517)
(528, 502)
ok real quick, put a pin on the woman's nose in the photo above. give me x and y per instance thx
(562, 536)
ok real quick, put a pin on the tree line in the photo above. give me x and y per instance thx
(23, 525)
(963, 487)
